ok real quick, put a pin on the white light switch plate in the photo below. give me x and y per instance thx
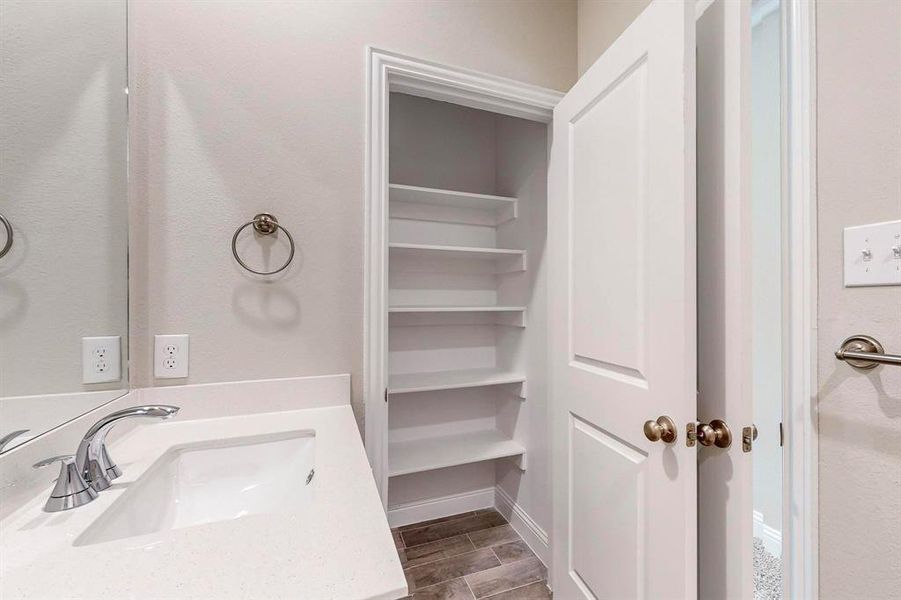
(873, 254)
(101, 359)
(170, 356)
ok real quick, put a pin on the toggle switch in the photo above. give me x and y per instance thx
(873, 254)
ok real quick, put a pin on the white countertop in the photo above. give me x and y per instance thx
(339, 546)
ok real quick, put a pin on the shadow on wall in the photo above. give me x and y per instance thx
(266, 306)
(881, 438)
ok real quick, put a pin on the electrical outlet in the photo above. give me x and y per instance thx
(101, 361)
(170, 356)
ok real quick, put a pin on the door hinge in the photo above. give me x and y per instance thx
(781, 435)
(386, 394)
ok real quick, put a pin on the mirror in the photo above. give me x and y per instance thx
(63, 198)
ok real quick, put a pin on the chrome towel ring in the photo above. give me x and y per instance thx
(264, 224)
(9, 236)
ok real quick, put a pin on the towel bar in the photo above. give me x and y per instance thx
(865, 352)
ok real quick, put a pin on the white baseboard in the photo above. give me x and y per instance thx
(533, 535)
(415, 512)
(771, 537)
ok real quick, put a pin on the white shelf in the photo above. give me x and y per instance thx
(428, 454)
(507, 260)
(453, 251)
(414, 202)
(455, 309)
(423, 195)
(451, 380)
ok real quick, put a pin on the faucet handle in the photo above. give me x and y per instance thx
(71, 490)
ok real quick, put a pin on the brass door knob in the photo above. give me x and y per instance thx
(663, 428)
(716, 433)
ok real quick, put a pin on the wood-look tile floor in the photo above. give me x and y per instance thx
(468, 556)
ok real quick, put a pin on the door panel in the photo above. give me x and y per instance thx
(724, 256)
(609, 222)
(621, 490)
(623, 316)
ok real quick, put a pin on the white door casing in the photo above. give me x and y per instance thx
(623, 316)
(725, 479)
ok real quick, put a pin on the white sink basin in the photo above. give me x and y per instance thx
(218, 480)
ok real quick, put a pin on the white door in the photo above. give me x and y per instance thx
(725, 504)
(623, 334)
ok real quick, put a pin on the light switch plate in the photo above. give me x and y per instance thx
(101, 359)
(873, 254)
(170, 356)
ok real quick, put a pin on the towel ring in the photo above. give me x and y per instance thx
(9, 236)
(264, 224)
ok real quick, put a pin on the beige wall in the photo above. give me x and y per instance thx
(600, 23)
(859, 181)
(244, 106)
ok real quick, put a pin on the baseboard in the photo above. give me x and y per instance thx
(434, 508)
(771, 537)
(525, 526)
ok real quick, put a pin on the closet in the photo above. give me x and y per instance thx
(466, 301)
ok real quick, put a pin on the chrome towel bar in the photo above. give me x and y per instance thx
(264, 224)
(864, 352)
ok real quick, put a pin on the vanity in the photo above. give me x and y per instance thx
(254, 489)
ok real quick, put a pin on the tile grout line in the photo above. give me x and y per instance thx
(506, 565)
(440, 540)
(450, 520)
(448, 537)
(446, 557)
(519, 587)
(469, 587)
(463, 577)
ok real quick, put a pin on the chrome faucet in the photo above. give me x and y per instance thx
(92, 458)
(91, 469)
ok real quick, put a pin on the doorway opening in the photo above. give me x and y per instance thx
(767, 295)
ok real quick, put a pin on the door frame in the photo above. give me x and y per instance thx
(800, 463)
(393, 72)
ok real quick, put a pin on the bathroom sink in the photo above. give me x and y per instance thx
(218, 480)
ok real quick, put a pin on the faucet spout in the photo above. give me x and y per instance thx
(92, 458)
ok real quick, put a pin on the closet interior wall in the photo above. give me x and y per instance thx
(438, 145)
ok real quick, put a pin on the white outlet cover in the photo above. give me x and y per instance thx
(171, 354)
(873, 254)
(101, 359)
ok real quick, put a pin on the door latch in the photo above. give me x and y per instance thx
(716, 433)
(748, 435)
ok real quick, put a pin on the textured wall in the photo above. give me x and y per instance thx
(600, 23)
(63, 160)
(242, 107)
(859, 181)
